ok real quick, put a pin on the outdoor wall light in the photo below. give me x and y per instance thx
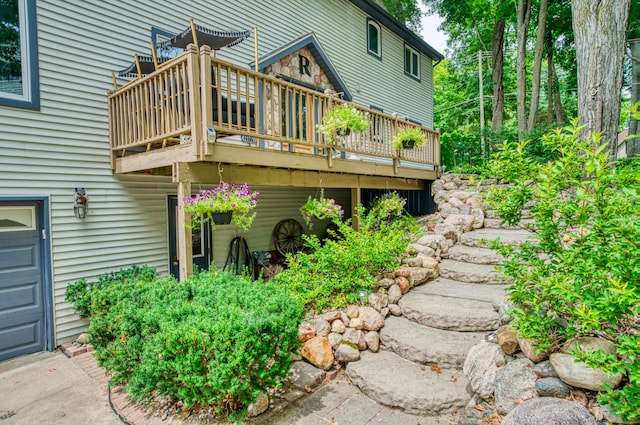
(80, 202)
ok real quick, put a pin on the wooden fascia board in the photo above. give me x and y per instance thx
(154, 159)
(207, 173)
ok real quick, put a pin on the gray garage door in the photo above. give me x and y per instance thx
(22, 307)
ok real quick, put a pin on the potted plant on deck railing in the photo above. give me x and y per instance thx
(340, 121)
(236, 200)
(409, 138)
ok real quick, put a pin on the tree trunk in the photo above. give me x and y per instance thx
(523, 10)
(537, 65)
(600, 29)
(633, 145)
(497, 73)
(555, 85)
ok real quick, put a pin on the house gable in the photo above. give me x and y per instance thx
(304, 62)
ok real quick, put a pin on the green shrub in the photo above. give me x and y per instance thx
(580, 276)
(216, 339)
(331, 273)
(77, 293)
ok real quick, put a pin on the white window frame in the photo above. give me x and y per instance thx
(30, 97)
(414, 56)
(374, 24)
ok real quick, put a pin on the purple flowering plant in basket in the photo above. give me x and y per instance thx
(321, 208)
(239, 200)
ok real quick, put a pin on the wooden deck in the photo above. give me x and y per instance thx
(199, 109)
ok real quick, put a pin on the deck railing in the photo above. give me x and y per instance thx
(195, 92)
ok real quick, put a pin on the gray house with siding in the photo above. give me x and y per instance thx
(76, 139)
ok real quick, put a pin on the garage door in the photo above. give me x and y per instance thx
(22, 307)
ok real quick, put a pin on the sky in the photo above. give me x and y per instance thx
(431, 35)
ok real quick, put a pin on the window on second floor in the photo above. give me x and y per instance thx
(374, 39)
(19, 83)
(411, 62)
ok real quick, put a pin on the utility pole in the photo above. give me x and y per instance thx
(482, 141)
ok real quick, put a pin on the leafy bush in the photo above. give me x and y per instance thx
(216, 339)
(331, 274)
(78, 293)
(580, 276)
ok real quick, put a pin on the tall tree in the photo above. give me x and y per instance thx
(497, 69)
(633, 34)
(523, 13)
(600, 28)
(537, 64)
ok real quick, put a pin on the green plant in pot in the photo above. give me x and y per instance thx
(409, 138)
(340, 121)
(225, 198)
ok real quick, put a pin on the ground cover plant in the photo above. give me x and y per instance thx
(333, 271)
(214, 340)
(579, 276)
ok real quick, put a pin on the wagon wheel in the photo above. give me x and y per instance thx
(287, 236)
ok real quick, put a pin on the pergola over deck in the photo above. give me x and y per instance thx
(196, 114)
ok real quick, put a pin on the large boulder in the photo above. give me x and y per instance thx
(515, 382)
(578, 374)
(549, 411)
(462, 222)
(347, 352)
(302, 375)
(372, 318)
(481, 366)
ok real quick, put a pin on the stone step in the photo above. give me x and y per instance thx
(495, 294)
(473, 254)
(426, 345)
(469, 272)
(394, 381)
(494, 214)
(483, 237)
(496, 223)
(456, 314)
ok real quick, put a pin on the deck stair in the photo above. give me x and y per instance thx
(419, 367)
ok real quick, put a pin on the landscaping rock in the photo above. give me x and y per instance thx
(529, 349)
(402, 272)
(259, 406)
(395, 309)
(434, 242)
(507, 339)
(545, 370)
(378, 301)
(352, 335)
(373, 340)
(356, 323)
(318, 352)
(302, 375)
(372, 319)
(549, 411)
(463, 223)
(403, 284)
(478, 414)
(384, 312)
(362, 342)
(580, 375)
(449, 211)
(347, 352)
(323, 328)
(83, 338)
(478, 218)
(345, 319)
(552, 387)
(385, 282)
(306, 332)
(395, 293)
(352, 311)
(338, 327)
(515, 382)
(334, 339)
(447, 230)
(481, 367)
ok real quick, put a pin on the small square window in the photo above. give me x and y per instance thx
(19, 86)
(374, 39)
(411, 62)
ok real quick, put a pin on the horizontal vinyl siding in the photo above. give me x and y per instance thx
(65, 144)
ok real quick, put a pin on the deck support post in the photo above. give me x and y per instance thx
(356, 199)
(206, 98)
(193, 69)
(183, 221)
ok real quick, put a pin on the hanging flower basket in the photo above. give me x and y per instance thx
(235, 201)
(321, 208)
(222, 217)
(409, 138)
(340, 121)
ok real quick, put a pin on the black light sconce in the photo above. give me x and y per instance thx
(80, 202)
